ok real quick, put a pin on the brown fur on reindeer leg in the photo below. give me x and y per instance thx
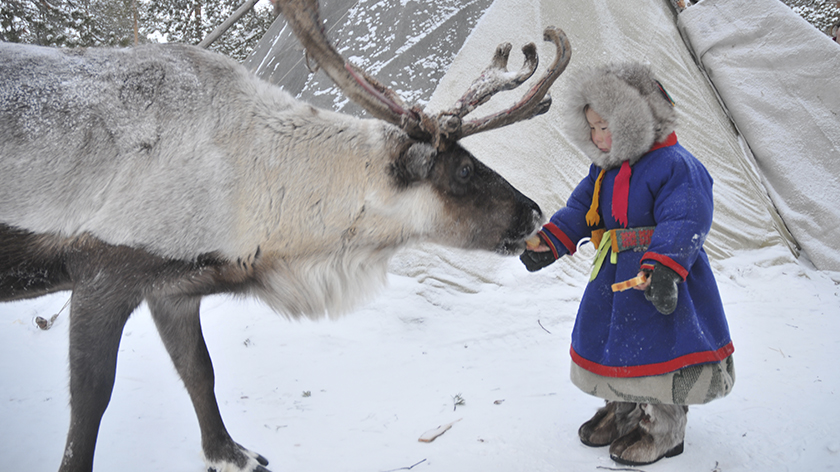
(96, 325)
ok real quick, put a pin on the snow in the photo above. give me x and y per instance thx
(356, 393)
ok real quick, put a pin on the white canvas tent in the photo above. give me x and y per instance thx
(778, 77)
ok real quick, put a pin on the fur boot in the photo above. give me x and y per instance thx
(660, 433)
(610, 423)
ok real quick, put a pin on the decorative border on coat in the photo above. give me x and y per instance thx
(654, 369)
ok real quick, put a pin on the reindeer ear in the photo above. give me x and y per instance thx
(414, 163)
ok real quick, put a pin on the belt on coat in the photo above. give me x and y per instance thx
(620, 240)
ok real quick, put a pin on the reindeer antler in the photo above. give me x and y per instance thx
(377, 99)
(445, 127)
(535, 102)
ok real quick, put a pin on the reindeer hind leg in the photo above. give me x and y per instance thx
(179, 325)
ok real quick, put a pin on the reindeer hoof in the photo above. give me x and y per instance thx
(245, 461)
(259, 468)
(228, 467)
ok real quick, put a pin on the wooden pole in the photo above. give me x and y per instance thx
(220, 30)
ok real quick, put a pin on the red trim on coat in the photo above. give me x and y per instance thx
(559, 234)
(667, 262)
(654, 369)
(669, 140)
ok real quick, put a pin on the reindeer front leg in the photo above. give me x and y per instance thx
(177, 320)
(98, 313)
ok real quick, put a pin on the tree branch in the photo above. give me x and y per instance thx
(407, 468)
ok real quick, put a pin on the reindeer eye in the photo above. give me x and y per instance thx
(465, 172)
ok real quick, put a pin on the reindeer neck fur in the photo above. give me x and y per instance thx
(342, 257)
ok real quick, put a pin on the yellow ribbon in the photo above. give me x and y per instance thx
(592, 216)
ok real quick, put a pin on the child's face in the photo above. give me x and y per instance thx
(598, 131)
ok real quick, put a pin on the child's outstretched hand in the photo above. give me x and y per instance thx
(537, 254)
(661, 288)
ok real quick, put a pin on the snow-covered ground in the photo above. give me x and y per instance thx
(356, 393)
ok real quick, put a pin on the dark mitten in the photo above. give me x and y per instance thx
(662, 291)
(534, 260)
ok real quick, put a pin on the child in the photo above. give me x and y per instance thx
(647, 204)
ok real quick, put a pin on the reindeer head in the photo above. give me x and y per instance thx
(430, 151)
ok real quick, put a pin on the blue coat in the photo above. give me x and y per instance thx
(621, 334)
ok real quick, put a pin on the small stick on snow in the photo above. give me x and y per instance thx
(617, 468)
(431, 434)
(407, 468)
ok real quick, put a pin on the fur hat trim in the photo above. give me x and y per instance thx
(638, 112)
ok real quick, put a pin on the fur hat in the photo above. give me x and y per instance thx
(629, 98)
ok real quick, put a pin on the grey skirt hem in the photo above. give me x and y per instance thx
(692, 385)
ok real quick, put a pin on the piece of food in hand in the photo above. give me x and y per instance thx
(532, 242)
(622, 286)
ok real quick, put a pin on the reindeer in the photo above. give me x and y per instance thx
(164, 173)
